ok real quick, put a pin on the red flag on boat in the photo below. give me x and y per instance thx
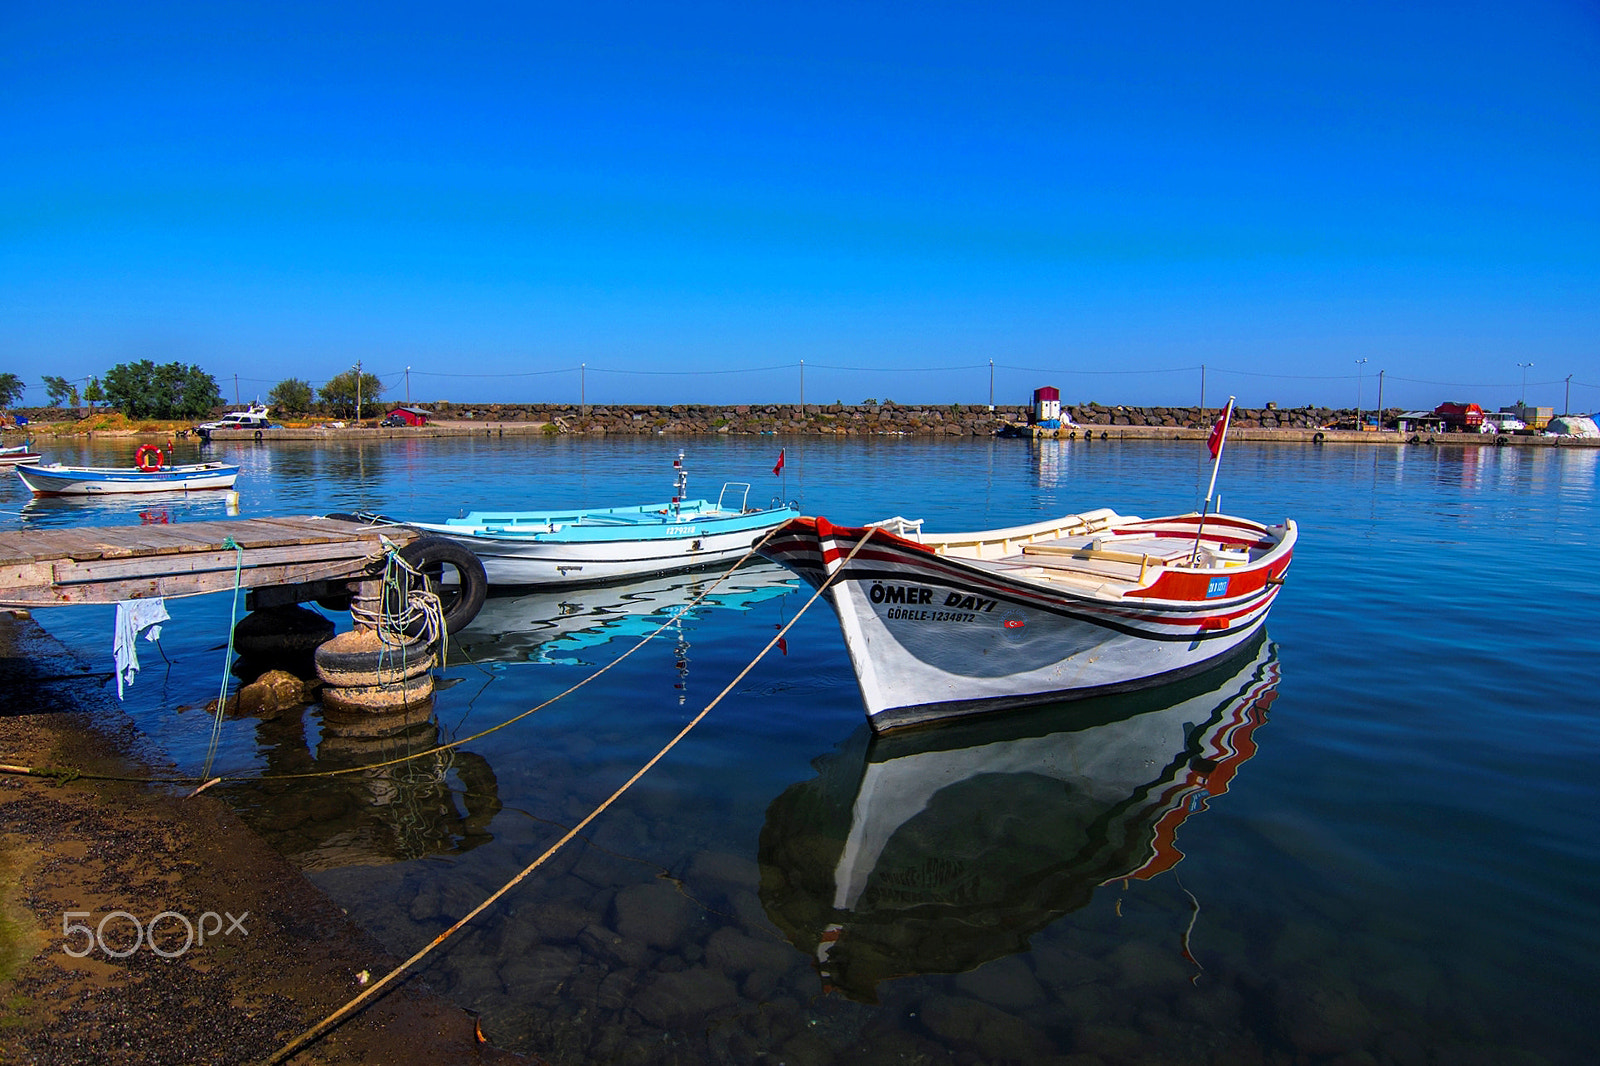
(779, 467)
(1214, 442)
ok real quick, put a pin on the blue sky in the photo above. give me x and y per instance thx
(692, 199)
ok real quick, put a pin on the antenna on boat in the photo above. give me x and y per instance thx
(1219, 437)
(681, 486)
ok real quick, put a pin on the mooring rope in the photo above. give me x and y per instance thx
(413, 605)
(227, 662)
(205, 782)
(354, 1004)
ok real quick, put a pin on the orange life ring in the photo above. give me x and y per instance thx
(148, 458)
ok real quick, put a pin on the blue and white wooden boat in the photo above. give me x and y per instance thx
(54, 479)
(581, 546)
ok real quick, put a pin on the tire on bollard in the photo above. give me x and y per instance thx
(360, 658)
(351, 705)
(460, 601)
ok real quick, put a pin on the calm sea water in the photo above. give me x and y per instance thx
(1373, 840)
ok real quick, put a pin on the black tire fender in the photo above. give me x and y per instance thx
(461, 601)
(1501, 441)
(389, 664)
(1318, 437)
(363, 518)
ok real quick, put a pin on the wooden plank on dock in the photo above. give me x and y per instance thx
(106, 564)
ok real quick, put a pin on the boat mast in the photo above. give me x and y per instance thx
(1219, 437)
(680, 488)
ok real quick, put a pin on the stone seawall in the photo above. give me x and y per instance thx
(951, 420)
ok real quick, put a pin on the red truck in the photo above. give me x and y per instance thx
(1460, 417)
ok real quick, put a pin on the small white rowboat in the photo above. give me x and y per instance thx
(946, 625)
(54, 479)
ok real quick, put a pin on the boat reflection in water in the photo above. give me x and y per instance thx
(560, 625)
(942, 849)
(143, 508)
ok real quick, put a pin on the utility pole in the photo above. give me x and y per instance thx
(358, 392)
(582, 374)
(1202, 395)
(1359, 363)
(802, 388)
(1524, 401)
(991, 386)
(408, 386)
(236, 390)
(1566, 406)
(1380, 401)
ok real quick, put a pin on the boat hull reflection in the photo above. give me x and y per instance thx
(938, 851)
(561, 625)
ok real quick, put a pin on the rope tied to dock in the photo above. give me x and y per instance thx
(406, 588)
(359, 1000)
(227, 662)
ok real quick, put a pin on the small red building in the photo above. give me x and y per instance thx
(411, 416)
(1047, 406)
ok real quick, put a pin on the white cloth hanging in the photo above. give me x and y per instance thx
(133, 617)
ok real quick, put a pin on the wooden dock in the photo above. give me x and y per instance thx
(303, 556)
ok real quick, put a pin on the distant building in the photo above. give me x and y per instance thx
(411, 416)
(1424, 421)
(1047, 407)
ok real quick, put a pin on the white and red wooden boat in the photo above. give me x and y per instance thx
(946, 625)
(21, 453)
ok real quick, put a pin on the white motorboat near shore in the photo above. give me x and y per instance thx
(256, 416)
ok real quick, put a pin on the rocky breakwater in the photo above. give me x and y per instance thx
(955, 420)
(853, 420)
(1269, 417)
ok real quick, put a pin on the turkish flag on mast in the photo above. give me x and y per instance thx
(779, 468)
(1218, 431)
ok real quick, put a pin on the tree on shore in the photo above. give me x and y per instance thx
(172, 390)
(339, 394)
(11, 389)
(62, 392)
(291, 396)
(93, 393)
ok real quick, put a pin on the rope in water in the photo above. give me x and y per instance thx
(205, 782)
(333, 1019)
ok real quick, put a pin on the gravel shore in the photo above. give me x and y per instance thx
(282, 955)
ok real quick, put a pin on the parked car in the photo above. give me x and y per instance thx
(393, 420)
